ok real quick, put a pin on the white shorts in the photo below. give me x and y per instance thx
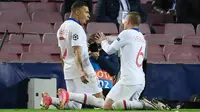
(125, 92)
(77, 86)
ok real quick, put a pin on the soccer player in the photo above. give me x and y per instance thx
(78, 72)
(131, 43)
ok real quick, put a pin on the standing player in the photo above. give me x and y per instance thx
(79, 74)
(131, 43)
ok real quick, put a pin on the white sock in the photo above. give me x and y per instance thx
(73, 105)
(131, 105)
(69, 105)
(55, 101)
(88, 100)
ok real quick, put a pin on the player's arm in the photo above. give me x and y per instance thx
(59, 45)
(77, 56)
(116, 45)
(77, 49)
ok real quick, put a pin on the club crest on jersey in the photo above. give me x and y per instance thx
(75, 37)
(118, 38)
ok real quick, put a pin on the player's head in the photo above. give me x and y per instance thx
(80, 10)
(132, 19)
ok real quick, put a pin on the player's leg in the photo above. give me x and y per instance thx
(85, 93)
(135, 104)
(117, 93)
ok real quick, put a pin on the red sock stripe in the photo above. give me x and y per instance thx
(124, 101)
(85, 99)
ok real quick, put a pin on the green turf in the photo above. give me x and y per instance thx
(91, 110)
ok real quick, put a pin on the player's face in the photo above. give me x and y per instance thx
(84, 15)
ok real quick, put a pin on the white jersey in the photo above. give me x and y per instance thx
(71, 33)
(131, 44)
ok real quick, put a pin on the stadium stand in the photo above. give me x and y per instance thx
(35, 23)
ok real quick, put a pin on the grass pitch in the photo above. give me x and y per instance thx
(93, 110)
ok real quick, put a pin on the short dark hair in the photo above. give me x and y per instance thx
(78, 4)
(135, 18)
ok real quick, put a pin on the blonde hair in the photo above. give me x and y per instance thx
(134, 18)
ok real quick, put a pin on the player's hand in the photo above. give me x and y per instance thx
(95, 55)
(84, 78)
(100, 37)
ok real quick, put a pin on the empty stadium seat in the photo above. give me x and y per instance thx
(12, 48)
(66, 16)
(187, 49)
(34, 57)
(28, 39)
(15, 38)
(50, 38)
(42, 7)
(159, 29)
(198, 29)
(144, 28)
(44, 48)
(47, 17)
(155, 58)
(179, 30)
(11, 27)
(182, 58)
(107, 28)
(154, 49)
(61, 7)
(159, 39)
(191, 40)
(8, 57)
(12, 6)
(14, 16)
(57, 26)
(145, 1)
(36, 27)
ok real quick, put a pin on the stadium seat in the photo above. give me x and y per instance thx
(14, 16)
(36, 27)
(198, 29)
(34, 57)
(47, 17)
(8, 57)
(187, 49)
(159, 28)
(61, 7)
(50, 38)
(12, 6)
(12, 48)
(182, 58)
(66, 16)
(144, 28)
(179, 30)
(44, 48)
(11, 27)
(145, 1)
(42, 7)
(57, 26)
(107, 28)
(155, 58)
(191, 40)
(28, 39)
(15, 38)
(154, 49)
(159, 39)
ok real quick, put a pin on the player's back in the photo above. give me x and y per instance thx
(69, 34)
(132, 56)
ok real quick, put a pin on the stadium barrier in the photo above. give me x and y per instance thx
(166, 81)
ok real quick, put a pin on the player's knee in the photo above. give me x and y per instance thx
(118, 105)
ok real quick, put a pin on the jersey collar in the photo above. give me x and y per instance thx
(136, 29)
(74, 20)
